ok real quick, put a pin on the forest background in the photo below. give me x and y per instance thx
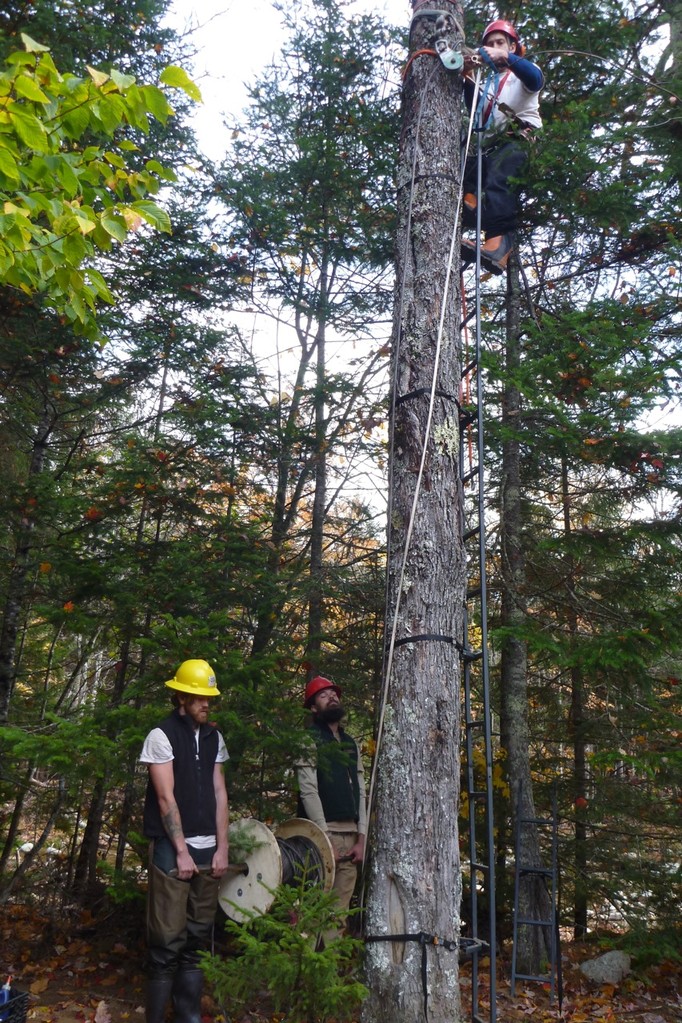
(210, 481)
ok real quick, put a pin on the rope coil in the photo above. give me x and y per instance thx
(301, 861)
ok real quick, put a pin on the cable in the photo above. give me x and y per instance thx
(301, 861)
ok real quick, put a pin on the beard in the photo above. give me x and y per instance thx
(330, 715)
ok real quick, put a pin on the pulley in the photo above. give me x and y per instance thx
(448, 37)
(451, 58)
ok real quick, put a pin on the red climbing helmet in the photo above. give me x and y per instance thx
(501, 26)
(315, 686)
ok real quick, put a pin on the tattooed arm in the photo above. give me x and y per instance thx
(162, 779)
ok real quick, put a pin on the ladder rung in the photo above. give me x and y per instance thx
(483, 867)
(476, 793)
(535, 923)
(536, 820)
(542, 871)
(469, 366)
(475, 591)
(472, 655)
(545, 978)
(475, 723)
(471, 533)
(470, 475)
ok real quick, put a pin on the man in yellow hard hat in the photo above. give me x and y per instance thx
(186, 819)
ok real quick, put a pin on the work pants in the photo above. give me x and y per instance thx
(345, 876)
(180, 914)
(503, 161)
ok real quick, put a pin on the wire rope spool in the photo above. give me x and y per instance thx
(249, 888)
(298, 850)
(305, 848)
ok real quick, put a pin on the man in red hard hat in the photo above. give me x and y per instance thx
(332, 786)
(508, 115)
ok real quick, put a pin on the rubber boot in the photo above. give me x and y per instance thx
(159, 988)
(187, 995)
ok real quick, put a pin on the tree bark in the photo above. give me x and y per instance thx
(319, 509)
(533, 943)
(85, 881)
(576, 728)
(14, 599)
(415, 880)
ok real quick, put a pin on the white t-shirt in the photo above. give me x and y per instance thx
(157, 749)
(511, 98)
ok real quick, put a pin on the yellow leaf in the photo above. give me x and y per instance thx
(85, 226)
(38, 986)
(98, 77)
(132, 219)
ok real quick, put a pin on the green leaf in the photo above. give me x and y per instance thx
(114, 159)
(178, 78)
(20, 59)
(99, 285)
(111, 111)
(156, 103)
(8, 166)
(121, 81)
(28, 88)
(153, 214)
(68, 179)
(75, 247)
(114, 224)
(29, 129)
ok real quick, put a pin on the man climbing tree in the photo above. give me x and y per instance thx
(507, 110)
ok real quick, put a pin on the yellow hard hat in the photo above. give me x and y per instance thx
(196, 678)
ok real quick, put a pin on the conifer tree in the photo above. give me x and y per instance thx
(594, 363)
(307, 191)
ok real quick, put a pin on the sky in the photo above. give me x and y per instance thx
(230, 52)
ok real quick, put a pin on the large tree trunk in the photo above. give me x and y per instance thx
(534, 904)
(415, 880)
(85, 882)
(577, 730)
(14, 600)
(319, 509)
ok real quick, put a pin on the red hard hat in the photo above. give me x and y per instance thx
(315, 686)
(501, 26)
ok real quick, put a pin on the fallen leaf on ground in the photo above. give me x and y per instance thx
(102, 1014)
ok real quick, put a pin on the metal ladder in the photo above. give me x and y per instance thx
(521, 870)
(476, 686)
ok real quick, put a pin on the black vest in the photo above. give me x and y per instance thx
(337, 774)
(193, 779)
